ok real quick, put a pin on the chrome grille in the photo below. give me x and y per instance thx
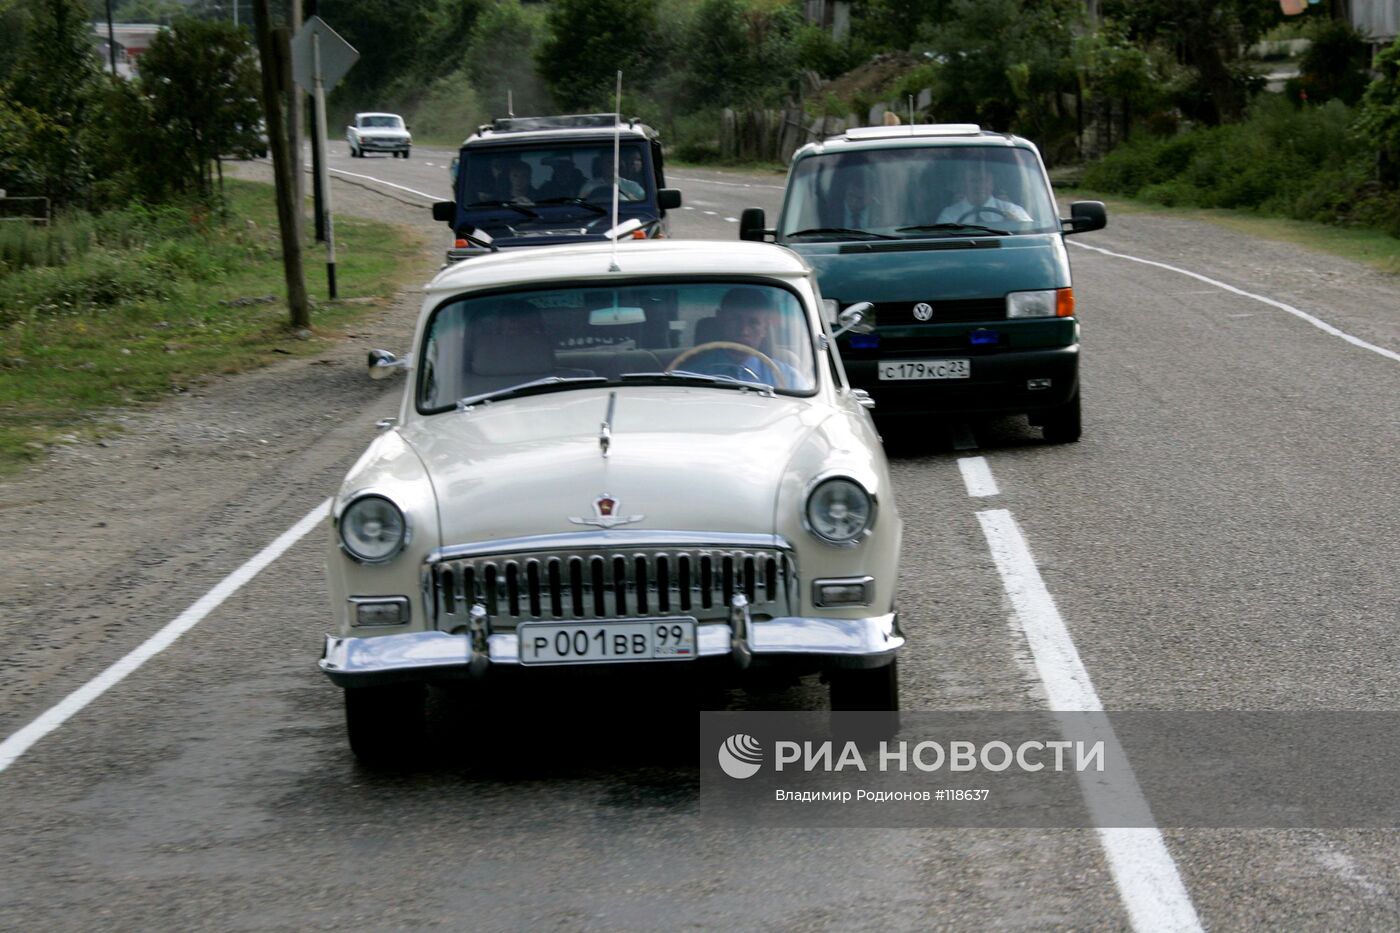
(611, 584)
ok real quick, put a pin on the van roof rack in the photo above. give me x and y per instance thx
(917, 129)
(562, 122)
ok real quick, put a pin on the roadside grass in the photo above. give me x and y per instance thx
(1374, 248)
(117, 324)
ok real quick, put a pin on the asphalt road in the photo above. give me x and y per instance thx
(1224, 537)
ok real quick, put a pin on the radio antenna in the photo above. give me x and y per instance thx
(911, 114)
(617, 170)
(510, 104)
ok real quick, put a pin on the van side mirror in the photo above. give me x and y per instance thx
(1085, 216)
(668, 199)
(751, 224)
(446, 211)
(859, 318)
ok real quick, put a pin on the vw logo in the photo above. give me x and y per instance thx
(923, 311)
(741, 756)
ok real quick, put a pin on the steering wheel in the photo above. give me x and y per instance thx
(731, 345)
(977, 212)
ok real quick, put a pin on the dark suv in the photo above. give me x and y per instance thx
(536, 181)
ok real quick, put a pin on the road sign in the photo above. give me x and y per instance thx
(337, 55)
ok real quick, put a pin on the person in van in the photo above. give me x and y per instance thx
(978, 204)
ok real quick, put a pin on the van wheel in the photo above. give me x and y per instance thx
(386, 725)
(1062, 424)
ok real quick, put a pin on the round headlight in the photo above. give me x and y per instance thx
(839, 511)
(372, 529)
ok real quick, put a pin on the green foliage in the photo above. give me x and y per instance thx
(816, 50)
(1336, 65)
(390, 36)
(450, 109)
(1378, 118)
(146, 11)
(740, 53)
(894, 24)
(500, 57)
(588, 41)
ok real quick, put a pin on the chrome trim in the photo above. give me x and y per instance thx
(420, 656)
(337, 515)
(402, 601)
(578, 540)
(740, 625)
(867, 583)
(869, 526)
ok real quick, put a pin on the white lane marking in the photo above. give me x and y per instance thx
(16, 745)
(1148, 881)
(726, 184)
(687, 207)
(1315, 322)
(977, 477)
(733, 220)
(711, 213)
(424, 194)
(430, 164)
(962, 437)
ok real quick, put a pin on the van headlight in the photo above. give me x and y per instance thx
(839, 511)
(1031, 304)
(373, 529)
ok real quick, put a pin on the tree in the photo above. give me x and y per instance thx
(588, 41)
(507, 25)
(740, 52)
(388, 34)
(202, 83)
(1379, 115)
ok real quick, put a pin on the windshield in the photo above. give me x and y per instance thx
(385, 122)
(721, 334)
(923, 192)
(557, 182)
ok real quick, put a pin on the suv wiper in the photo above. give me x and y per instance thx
(816, 230)
(578, 201)
(694, 378)
(919, 228)
(537, 387)
(513, 206)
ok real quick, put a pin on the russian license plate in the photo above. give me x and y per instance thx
(925, 369)
(606, 642)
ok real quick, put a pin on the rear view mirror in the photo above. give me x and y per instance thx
(859, 318)
(751, 224)
(1085, 216)
(668, 199)
(446, 211)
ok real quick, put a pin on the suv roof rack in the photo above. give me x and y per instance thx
(917, 129)
(561, 122)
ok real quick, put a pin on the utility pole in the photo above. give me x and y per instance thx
(275, 54)
(317, 154)
(111, 39)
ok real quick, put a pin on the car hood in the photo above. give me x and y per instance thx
(936, 269)
(679, 459)
(384, 132)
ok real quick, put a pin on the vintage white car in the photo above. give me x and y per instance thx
(641, 455)
(378, 132)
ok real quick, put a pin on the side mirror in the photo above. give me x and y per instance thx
(668, 199)
(751, 224)
(383, 364)
(1085, 216)
(446, 211)
(857, 319)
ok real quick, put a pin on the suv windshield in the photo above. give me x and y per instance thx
(392, 123)
(575, 179)
(721, 334)
(918, 192)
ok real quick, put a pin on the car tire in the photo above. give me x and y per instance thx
(405, 153)
(355, 153)
(1062, 424)
(386, 724)
(865, 703)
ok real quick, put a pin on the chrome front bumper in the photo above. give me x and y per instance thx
(420, 656)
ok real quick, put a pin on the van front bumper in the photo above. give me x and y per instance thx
(819, 644)
(1006, 382)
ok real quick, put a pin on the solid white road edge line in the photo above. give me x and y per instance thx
(380, 181)
(1148, 881)
(726, 184)
(977, 476)
(16, 745)
(1315, 322)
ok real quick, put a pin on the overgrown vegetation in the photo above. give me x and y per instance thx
(104, 311)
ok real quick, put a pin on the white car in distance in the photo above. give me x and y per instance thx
(635, 461)
(378, 132)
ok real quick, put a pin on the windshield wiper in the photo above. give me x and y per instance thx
(513, 206)
(537, 387)
(919, 228)
(694, 378)
(577, 201)
(846, 230)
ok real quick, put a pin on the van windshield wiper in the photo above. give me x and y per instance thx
(813, 231)
(510, 204)
(597, 209)
(934, 228)
(537, 387)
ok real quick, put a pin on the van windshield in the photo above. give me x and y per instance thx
(918, 192)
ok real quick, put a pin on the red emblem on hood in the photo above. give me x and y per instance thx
(605, 514)
(606, 504)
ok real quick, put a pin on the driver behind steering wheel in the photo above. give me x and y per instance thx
(746, 317)
(978, 205)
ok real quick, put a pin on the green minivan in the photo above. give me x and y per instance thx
(953, 235)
